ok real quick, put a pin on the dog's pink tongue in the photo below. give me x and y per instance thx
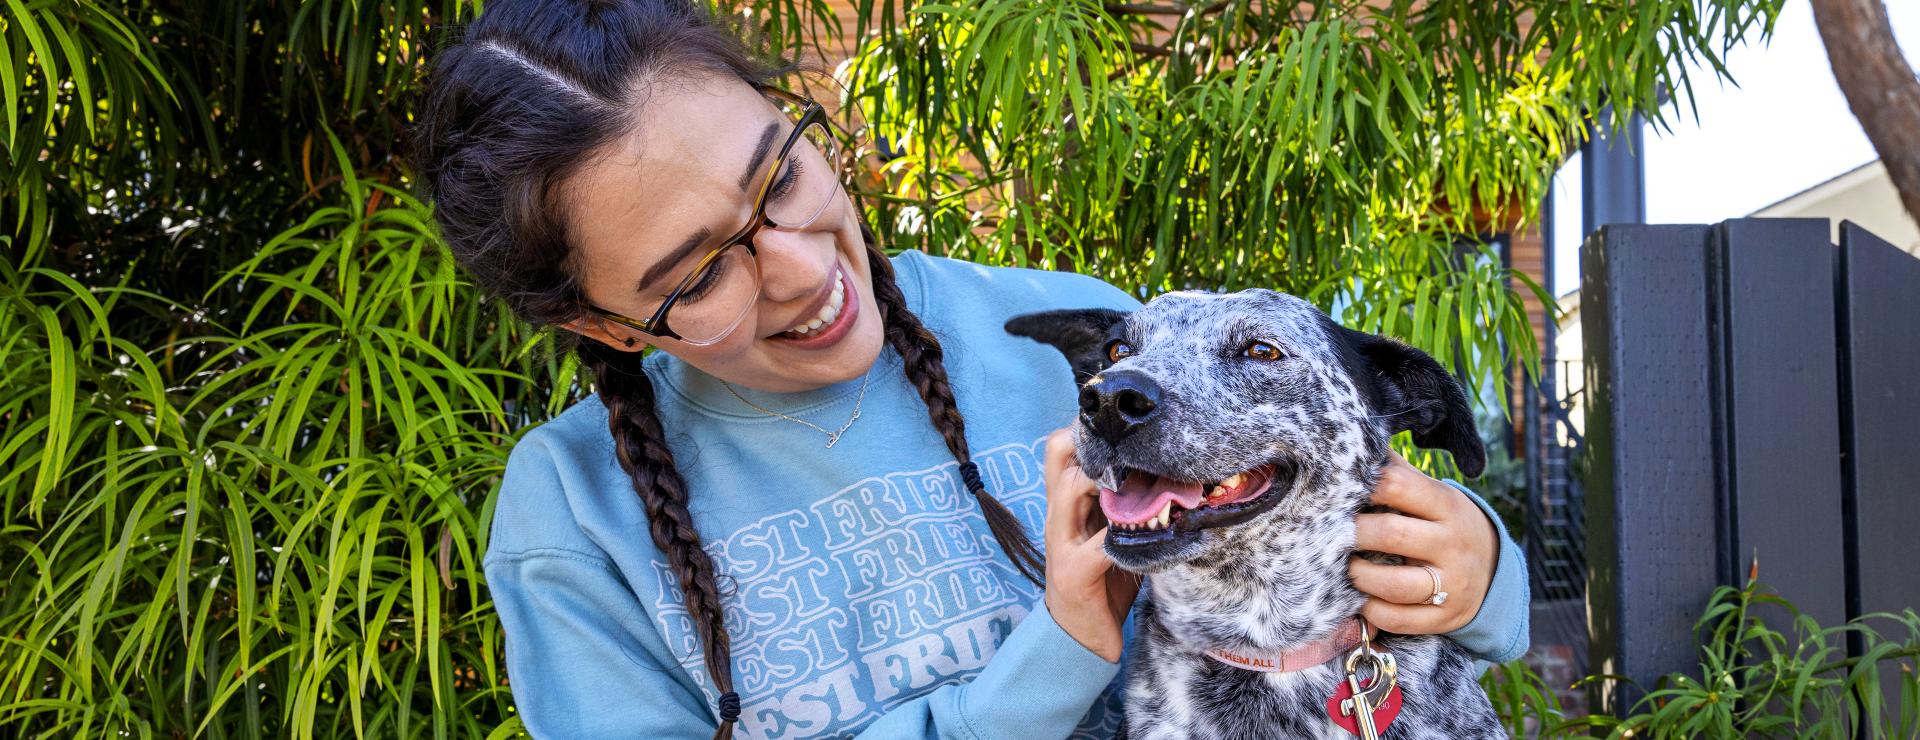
(1141, 497)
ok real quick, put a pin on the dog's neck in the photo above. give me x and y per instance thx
(1283, 581)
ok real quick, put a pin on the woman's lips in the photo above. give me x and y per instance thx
(842, 307)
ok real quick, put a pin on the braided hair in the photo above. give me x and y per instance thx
(521, 102)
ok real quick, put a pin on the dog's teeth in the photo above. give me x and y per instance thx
(1234, 481)
(1216, 491)
(1166, 515)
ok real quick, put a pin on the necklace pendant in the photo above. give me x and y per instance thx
(831, 440)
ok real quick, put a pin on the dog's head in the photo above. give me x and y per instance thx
(1203, 414)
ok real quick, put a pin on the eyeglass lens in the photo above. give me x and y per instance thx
(721, 292)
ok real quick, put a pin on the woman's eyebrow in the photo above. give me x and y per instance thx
(759, 155)
(659, 269)
(700, 237)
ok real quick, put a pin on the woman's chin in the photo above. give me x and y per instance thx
(849, 358)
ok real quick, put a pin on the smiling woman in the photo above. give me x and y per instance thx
(624, 172)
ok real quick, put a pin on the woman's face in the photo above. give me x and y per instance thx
(649, 206)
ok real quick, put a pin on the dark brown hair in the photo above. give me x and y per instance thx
(509, 112)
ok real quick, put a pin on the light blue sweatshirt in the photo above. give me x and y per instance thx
(866, 595)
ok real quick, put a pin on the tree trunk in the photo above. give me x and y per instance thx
(1879, 84)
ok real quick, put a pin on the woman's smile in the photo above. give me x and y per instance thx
(829, 318)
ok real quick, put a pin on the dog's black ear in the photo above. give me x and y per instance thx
(1081, 334)
(1414, 392)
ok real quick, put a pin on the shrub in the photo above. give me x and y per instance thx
(1753, 680)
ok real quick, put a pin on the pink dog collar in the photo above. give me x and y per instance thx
(1306, 656)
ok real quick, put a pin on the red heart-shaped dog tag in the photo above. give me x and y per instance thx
(1381, 717)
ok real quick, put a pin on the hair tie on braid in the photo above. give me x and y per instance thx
(729, 707)
(921, 354)
(970, 475)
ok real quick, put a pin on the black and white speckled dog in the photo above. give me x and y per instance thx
(1235, 436)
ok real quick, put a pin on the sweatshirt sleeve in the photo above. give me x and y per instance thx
(584, 664)
(1499, 632)
(1039, 684)
(581, 660)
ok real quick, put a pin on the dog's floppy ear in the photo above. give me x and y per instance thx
(1079, 333)
(1414, 392)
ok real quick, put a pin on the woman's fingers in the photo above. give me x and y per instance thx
(1431, 523)
(1400, 584)
(1081, 592)
(1391, 532)
(1407, 490)
(1414, 619)
(1071, 495)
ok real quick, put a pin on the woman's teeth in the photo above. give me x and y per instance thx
(827, 313)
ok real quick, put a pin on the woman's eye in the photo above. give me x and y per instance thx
(702, 285)
(787, 180)
(1263, 351)
(1119, 350)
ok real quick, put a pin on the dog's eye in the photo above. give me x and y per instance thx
(1119, 350)
(1263, 351)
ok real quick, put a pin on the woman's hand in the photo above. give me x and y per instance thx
(1433, 524)
(1088, 596)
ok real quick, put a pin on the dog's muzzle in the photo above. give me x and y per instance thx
(1154, 519)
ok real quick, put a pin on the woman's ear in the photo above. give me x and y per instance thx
(604, 332)
(1079, 333)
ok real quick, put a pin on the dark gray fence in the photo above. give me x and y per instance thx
(1755, 394)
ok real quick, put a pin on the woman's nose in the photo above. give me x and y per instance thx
(793, 265)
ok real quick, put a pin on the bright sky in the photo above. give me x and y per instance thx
(1781, 127)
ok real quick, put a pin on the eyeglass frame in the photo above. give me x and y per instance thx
(812, 114)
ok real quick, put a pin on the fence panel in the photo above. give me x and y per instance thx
(1881, 434)
(1780, 425)
(1651, 554)
(1753, 393)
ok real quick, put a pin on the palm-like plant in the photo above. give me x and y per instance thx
(253, 419)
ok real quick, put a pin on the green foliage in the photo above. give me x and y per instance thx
(1348, 152)
(1523, 699)
(270, 528)
(1754, 680)
(253, 419)
(1757, 681)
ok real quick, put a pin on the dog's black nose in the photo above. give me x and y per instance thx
(1119, 403)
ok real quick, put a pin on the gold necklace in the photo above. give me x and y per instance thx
(832, 437)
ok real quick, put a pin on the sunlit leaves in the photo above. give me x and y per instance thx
(1342, 151)
(279, 537)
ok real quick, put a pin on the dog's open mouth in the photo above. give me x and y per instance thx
(1145, 506)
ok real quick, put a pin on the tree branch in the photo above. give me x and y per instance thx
(1149, 50)
(1161, 9)
(1146, 9)
(1879, 84)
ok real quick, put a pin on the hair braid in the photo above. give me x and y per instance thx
(640, 444)
(516, 106)
(922, 355)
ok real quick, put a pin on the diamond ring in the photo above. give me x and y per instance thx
(1438, 597)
